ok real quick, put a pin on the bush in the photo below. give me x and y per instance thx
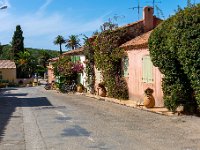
(174, 49)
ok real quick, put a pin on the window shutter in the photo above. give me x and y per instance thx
(147, 70)
(73, 58)
(126, 64)
(144, 69)
(150, 70)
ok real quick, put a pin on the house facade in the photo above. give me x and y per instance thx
(7, 70)
(76, 55)
(138, 28)
(140, 73)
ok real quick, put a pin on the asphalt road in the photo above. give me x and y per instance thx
(35, 119)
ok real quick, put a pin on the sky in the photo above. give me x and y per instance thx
(43, 20)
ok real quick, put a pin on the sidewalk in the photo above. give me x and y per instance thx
(134, 104)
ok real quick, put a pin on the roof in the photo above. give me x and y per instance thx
(77, 51)
(7, 64)
(138, 42)
(53, 59)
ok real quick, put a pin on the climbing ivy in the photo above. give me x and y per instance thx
(108, 58)
(89, 54)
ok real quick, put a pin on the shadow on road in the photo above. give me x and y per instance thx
(9, 102)
(76, 130)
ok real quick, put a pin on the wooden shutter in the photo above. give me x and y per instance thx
(144, 69)
(126, 65)
(147, 70)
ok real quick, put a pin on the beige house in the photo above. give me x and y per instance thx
(8, 70)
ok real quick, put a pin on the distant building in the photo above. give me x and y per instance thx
(8, 70)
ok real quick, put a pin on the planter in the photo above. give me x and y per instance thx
(79, 89)
(149, 101)
(101, 92)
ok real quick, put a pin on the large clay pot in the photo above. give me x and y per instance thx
(79, 89)
(149, 101)
(102, 92)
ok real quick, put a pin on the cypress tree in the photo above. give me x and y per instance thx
(18, 41)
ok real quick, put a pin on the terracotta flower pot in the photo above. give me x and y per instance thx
(79, 89)
(149, 101)
(102, 92)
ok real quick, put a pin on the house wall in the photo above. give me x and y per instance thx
(50, 74)
(135, 83)
(9, 74)
(83, 75)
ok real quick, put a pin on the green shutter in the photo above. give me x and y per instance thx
(150, 71)
(73, 58)
(144, 69)
(126, 64)
(147, 70)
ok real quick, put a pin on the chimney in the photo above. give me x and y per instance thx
(148, 18)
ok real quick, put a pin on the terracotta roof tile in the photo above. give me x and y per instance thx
(5, 64)
(76, 51)
(138, 42)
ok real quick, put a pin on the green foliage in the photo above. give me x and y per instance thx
(59, 41)
(73, 42)
(174, 48)
(89, 55)
(25, 64)
(64, 68)
(6, 52)
(18, 41)
(108, 57)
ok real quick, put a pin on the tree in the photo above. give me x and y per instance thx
(174, 49)
(109, 25)
(17, 41)
(24, 65)
(73, 42)
(6, 52)
(59, 41)
(43, 57)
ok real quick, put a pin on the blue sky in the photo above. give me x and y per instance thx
(42, 20)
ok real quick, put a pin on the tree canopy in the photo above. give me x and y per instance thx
(174, 48)
(18, 41)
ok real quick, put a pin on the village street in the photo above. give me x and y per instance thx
(32, 118)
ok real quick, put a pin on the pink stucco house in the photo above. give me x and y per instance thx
(141, 73)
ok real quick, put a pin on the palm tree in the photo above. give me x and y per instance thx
(59, 41)
(73, 42)
(24, 64)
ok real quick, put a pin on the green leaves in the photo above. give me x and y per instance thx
(174, 48)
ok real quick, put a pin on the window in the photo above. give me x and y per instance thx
(125, 66)
(147, 69)
(75, 58)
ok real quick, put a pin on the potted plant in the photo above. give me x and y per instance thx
(149, 100)
(101, 89)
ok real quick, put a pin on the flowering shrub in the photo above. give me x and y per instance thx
(64, 67)
(77, 67)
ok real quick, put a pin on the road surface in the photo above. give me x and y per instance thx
(33, 118)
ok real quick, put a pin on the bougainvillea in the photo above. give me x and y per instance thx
(77, 67)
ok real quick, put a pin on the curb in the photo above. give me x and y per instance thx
(133, 104)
